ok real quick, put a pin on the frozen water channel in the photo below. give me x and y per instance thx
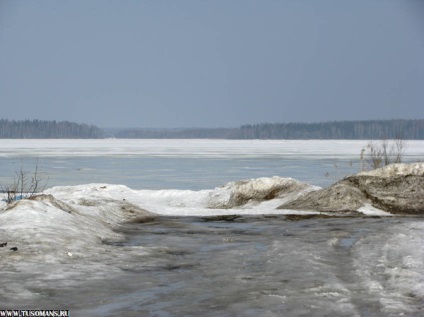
(238, 266)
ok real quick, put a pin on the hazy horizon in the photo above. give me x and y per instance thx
(210, 64)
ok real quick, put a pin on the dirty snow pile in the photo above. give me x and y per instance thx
(396, 188)
(236, 194)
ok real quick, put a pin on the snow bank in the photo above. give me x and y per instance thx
(255, 196)
(247, 197)
(396, 188)
(65, 234)
(239, 193)
(52, 230)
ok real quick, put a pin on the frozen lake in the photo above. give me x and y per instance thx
(185, 164)
(256, 261)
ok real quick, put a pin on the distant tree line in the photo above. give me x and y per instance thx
(192, 133)
(367, 130)
(373, 129)
(41, 129)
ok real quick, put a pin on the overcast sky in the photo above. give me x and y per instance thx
(211, 63)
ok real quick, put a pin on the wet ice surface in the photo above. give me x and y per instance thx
(237, 266)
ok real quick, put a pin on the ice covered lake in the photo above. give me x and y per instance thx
(185, 164)
(194, 260)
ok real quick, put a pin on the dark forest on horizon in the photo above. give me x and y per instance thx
(408, 129)
(349, 130)
(43, 129)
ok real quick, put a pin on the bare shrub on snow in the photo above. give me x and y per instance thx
(26, 185)
(374, 156)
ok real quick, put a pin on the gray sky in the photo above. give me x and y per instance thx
(211, 63)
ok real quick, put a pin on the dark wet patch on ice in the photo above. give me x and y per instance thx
(336, 229)
(178, 252)
(115, 243)
(309, 216)
(143, 219)
(168, 267)
(221, 218)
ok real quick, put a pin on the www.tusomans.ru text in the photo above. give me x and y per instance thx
(33, 313)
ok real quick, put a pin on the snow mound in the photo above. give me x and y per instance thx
(339, 197)
(239, 193)
(49, 229)
(397, 188)
(69, 239)
(399, 169)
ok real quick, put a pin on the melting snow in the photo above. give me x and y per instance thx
(69, 224)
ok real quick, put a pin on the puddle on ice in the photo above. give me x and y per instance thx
(237, 266)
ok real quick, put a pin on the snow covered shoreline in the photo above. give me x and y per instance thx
(75, 218)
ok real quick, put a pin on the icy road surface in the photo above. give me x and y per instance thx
(240, 266)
